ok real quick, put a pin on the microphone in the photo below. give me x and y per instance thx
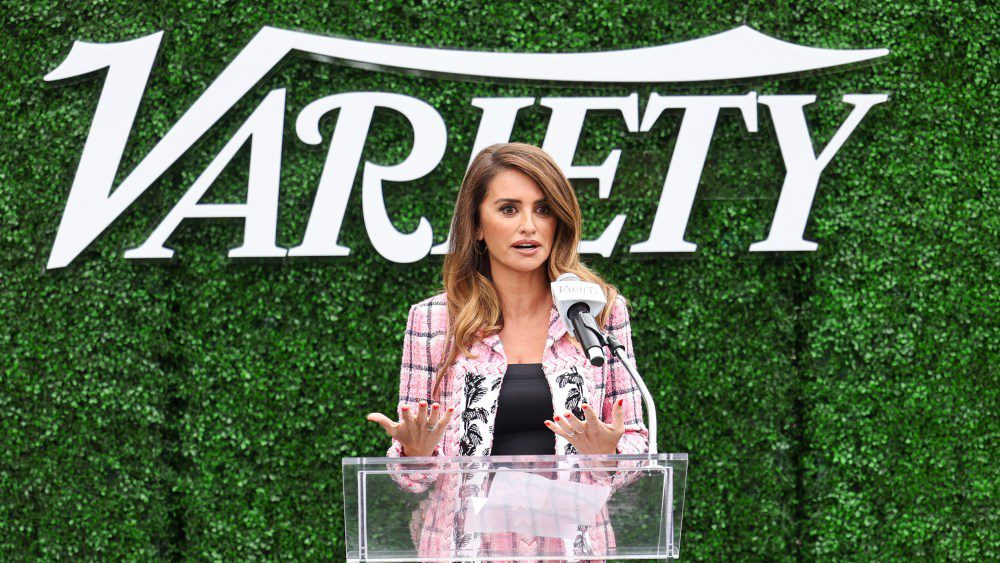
(578, 303)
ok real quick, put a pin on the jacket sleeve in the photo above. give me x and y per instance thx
(619, 385)
(416, 380)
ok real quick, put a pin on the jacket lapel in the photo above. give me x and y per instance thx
(478, 403)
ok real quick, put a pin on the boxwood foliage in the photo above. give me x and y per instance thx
(835, 404)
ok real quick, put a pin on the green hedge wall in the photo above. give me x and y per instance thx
(840, 404)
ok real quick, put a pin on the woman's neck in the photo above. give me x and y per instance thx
(522, 294)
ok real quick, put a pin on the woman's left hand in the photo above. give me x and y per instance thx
(590, 436)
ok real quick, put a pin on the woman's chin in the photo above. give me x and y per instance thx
(525, 264)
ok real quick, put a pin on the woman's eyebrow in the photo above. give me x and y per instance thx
(514, 200)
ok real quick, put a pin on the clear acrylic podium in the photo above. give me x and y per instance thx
(514, 508)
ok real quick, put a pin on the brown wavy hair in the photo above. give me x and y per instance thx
(473, 303)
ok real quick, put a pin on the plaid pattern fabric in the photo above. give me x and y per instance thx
(424, 346)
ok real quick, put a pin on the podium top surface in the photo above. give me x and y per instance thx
(512, 459)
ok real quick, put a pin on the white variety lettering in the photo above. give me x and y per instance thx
(561, 140)
(356, 110)
(687, 163)
(94, 203)
(802, 165)
(496, 126)
(91, 206)
(263, 129)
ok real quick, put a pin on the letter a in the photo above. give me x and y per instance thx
(263, 128)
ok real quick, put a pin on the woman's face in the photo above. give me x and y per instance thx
(516, 223)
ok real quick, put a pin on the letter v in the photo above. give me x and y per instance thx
(91, 206)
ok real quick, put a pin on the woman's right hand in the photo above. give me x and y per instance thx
(419, 429)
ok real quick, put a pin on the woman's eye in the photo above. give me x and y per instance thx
(543, 210)
(508, 210)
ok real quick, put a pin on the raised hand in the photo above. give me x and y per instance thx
(419, 429)
(590, 436)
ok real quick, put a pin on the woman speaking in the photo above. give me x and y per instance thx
(488, 367)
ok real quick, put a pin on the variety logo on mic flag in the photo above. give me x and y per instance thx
(568, 290)
(94, 203)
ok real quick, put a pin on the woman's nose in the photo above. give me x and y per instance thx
(527, 224)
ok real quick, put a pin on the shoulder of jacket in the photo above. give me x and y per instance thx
(433, 310)
(439, 300)
(619, 314)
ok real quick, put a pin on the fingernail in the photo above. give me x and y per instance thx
(620, 401)
(557, 417)
(585, 407)
(436, 406)
(451, 409)
(406, 407)
(547, 423)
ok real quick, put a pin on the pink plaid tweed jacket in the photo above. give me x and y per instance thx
(434, 526)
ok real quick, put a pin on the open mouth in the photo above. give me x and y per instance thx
(527, 249)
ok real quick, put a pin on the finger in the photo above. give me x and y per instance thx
(422, 413)
(446, 418)
(618, 415)
(406, 414)
(555, 428)
(574, 423)
(385, 422)
(435, 414)
(589, 415)
(563, 425)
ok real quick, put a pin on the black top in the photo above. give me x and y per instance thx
(524, 405)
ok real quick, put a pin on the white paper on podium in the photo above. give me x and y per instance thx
(532, 505)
